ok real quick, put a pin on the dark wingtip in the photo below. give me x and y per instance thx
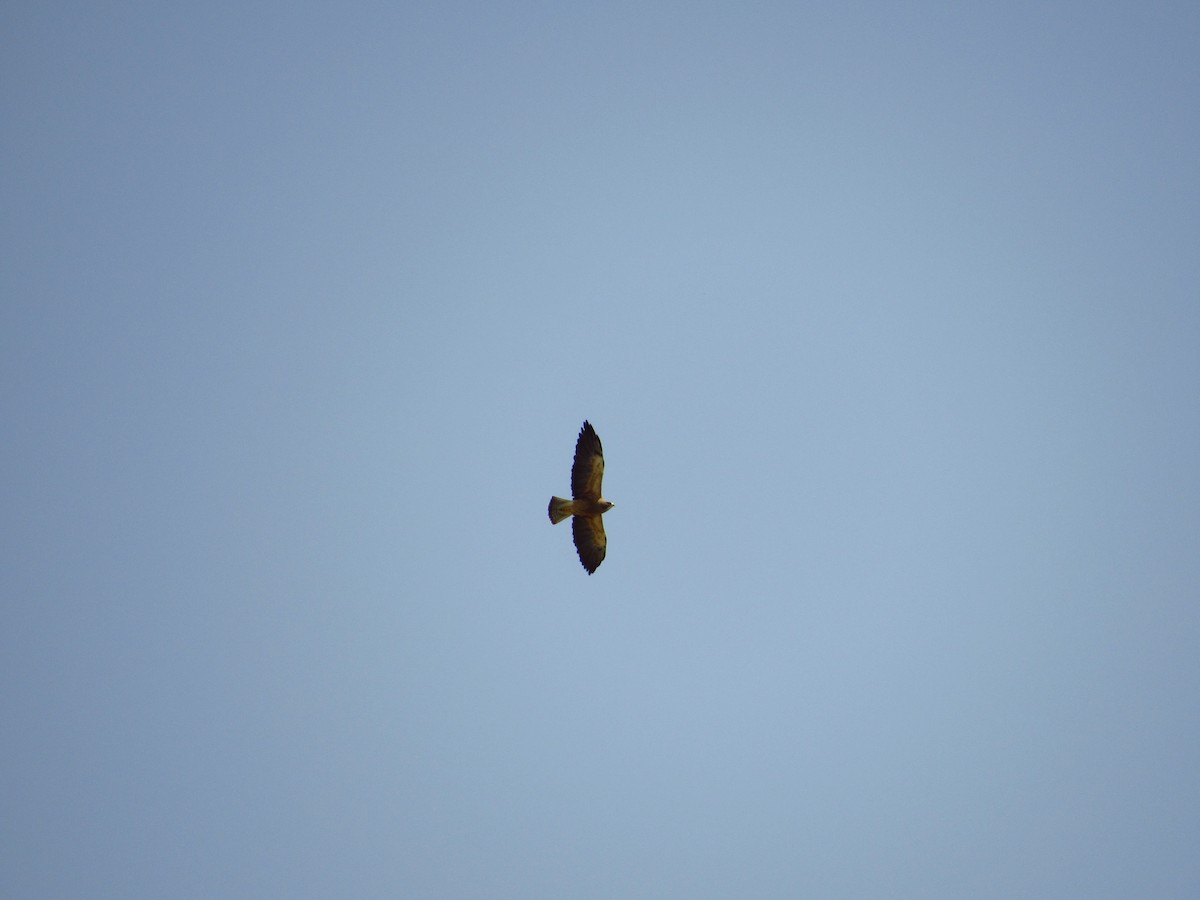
(593, 439)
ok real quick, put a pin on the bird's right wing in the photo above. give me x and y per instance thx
(588, 469)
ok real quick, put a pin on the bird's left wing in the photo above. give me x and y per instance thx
(590, 541)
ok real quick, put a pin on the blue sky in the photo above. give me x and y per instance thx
(888, 317)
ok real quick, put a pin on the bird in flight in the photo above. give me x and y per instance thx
(586, 506)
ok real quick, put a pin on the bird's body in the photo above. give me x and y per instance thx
(586, 506)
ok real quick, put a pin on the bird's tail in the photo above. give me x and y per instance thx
(560, 509)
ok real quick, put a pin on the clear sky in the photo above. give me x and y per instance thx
(888, 316)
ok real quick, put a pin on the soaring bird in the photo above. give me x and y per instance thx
(587, 506)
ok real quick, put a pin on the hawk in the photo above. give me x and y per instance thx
(587, 506)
